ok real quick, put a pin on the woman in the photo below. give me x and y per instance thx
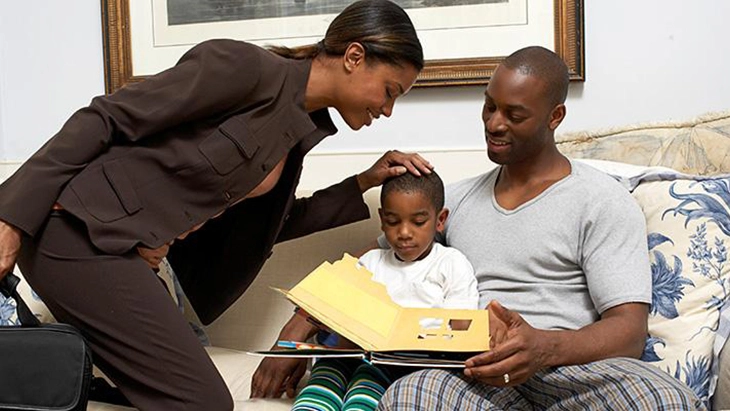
(201, 160)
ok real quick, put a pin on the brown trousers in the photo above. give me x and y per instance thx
(138, 336)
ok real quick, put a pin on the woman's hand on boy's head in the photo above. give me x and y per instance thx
(392, 163)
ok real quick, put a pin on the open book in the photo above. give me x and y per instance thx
(343, 297)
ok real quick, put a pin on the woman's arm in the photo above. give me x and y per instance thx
(342, 203)
(331, 207)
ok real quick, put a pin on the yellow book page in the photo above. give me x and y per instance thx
(343, 296)
(367, 310)
(341, 292)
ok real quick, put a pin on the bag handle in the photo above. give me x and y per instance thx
(9, 288)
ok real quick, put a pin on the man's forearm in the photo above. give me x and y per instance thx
(620, 332)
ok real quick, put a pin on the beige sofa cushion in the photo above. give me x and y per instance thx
(236, 367)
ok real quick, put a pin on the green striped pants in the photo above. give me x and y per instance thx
(342, 384)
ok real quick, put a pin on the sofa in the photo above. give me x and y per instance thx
(674, 170)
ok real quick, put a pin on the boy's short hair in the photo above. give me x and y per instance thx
(430, 185)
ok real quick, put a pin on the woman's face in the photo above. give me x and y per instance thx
(371, 90)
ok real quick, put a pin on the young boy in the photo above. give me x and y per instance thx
(416, 271)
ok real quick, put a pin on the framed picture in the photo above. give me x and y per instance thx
(463, 40)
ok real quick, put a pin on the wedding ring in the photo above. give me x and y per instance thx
(506, 378)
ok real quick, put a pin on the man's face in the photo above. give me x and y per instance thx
(517, 117)
(410, 222)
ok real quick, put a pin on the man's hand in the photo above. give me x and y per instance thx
(275, 375)
(9, 247)
(497, 327)
(392, 163)
(153, 257)
(517, 350)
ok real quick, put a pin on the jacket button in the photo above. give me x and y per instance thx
(227, 195)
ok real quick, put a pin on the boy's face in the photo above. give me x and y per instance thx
(410, 222)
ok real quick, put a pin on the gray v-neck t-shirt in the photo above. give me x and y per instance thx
(562, 258)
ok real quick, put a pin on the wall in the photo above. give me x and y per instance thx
(50, 65)
(653, 60)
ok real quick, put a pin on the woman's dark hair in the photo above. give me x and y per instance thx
(381, 26)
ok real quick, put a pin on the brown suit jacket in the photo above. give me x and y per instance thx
(147, 163)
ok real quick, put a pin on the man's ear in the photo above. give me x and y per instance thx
(380, 214)
(557, 116)
(354, 56)
(441, 219)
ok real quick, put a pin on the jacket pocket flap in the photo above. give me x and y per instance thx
(119, 181)
(239, 132)
(222, 153)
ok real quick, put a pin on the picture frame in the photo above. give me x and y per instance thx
(561, 29)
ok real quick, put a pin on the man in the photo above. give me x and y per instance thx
(564, 247)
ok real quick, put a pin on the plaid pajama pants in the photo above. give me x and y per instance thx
(613, 384)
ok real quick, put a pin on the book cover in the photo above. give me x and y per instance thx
(344, 298)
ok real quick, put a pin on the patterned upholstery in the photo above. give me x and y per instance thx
(688, 222)
(700, 146)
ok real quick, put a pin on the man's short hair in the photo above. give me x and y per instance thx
(429, 185)
(542, 63)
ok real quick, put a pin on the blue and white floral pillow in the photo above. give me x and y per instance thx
(688, 221)
(7, 312)
(8, 315)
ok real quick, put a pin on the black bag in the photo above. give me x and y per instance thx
(42, 366)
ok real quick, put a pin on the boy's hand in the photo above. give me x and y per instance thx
(392, 163)
(276, 375)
